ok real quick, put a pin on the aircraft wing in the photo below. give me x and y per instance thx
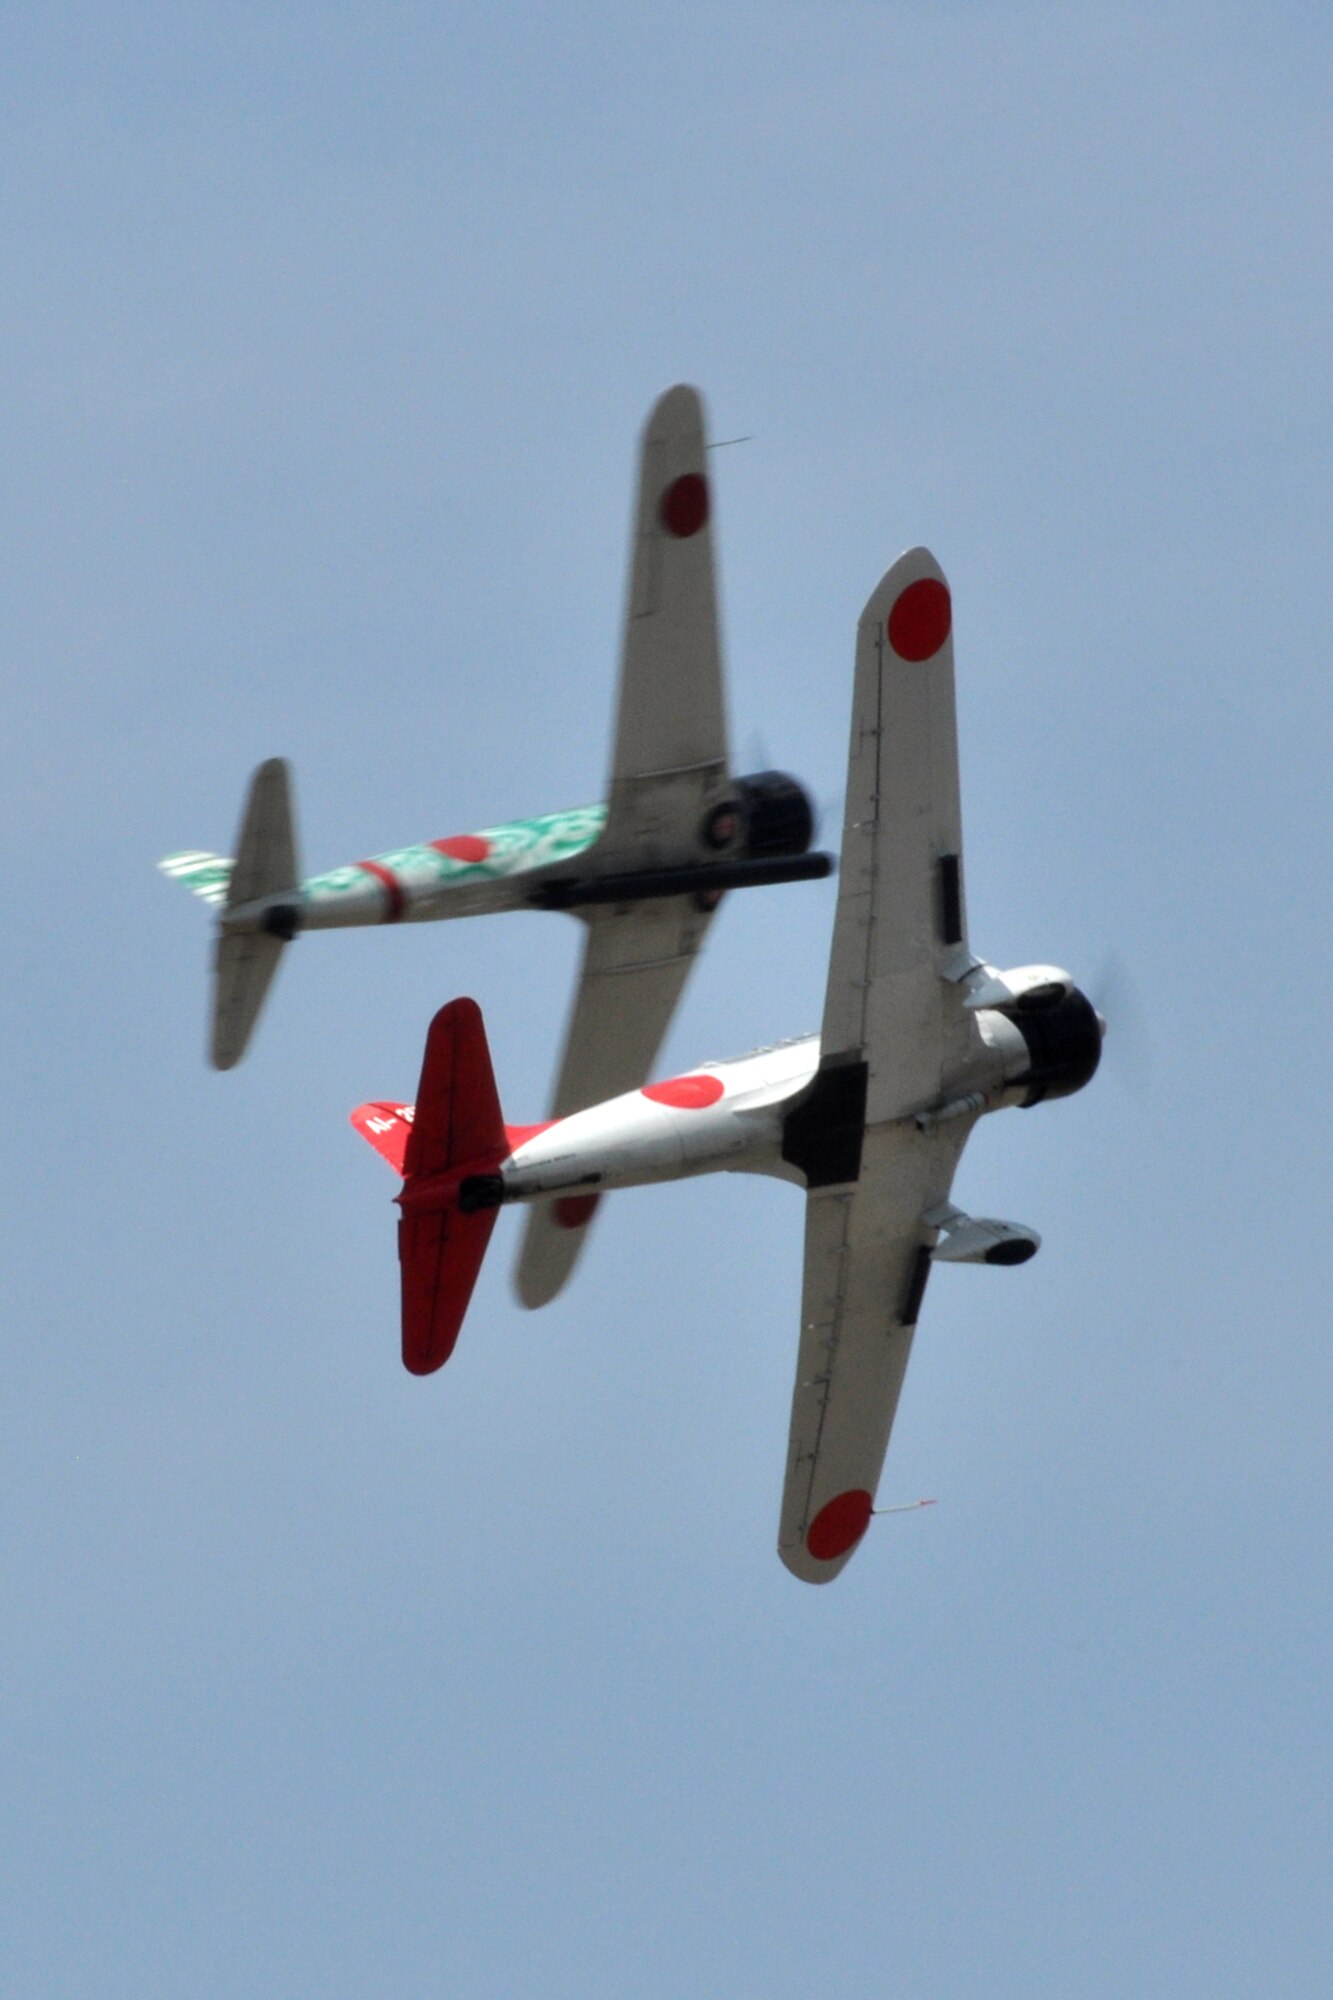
(635, 961)
(669, 756)
(894, 1028)
(867, 1258)
(668, 769)
(900, 933)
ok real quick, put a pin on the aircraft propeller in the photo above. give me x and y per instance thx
(1115, 994)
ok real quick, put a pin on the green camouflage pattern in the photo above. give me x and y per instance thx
(515, 848)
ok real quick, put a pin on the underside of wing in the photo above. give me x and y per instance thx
(867, 1259)
(635, 963)
(895, 1032)
(668, 774)
(900, 934)
(669, 759)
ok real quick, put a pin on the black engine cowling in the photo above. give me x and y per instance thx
(1064, 1043)
(769, 815)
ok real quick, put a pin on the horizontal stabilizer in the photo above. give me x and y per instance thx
(265, 871)
(266, 850)
(243, 969)
(441, 1254)
(457, 1121)
(456, 1133)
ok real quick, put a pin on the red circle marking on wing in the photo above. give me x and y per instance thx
(683, 508)
(920, 619)
(574, 1211)
(839, 1524)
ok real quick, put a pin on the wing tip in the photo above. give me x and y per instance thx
(831, 1538)
(803, 1566)
(915, 565)
(552, 1243)
(677, 409)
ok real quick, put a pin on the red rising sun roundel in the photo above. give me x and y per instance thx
(575, 1211)
(683, 508)
(685, 1093)
(463, 847)
(839, 1524)
(920, 619)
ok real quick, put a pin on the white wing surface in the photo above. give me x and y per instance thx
(900, 934)
(669, 758)
(668, 768)
(867, 1258)
(894, 1028)
(635, 962)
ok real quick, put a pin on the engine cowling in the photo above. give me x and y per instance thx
(768, 814)
(1064, 1043)
(1047, 1051)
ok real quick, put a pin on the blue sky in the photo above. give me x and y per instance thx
(325, 334)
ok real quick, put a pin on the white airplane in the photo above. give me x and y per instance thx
(645, 871)
(919, 1040)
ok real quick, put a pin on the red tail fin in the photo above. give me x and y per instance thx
(458, 1111)
(388, 1127)
(457, 1132)
(441, 1255)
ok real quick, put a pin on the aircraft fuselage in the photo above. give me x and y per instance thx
(733, 1117)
